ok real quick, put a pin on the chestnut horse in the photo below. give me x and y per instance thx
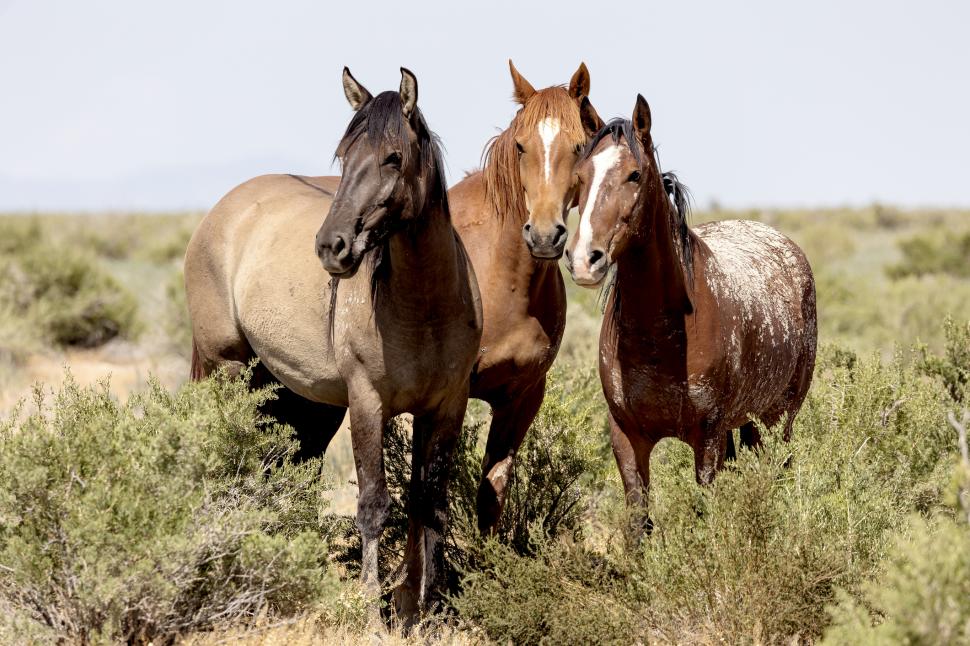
(525, 190)
(400, 335)
(705, 329)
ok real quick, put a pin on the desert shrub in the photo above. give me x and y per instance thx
(922, 595)
(559, 463)
(760, 554)
(17, 234)
(563, 594)
(177, 324)
(557, 466)
(68, 297)
(824, 243)
(953, 368)
(922, 592)
(931, 253)
(143, 521)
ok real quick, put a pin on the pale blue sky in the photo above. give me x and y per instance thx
(136, 104)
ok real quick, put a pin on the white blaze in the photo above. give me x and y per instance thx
(548, 131)
(603, 162)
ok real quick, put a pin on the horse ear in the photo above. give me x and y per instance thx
(590, 119)
(357, 95)
(408, 91)
(641, 119)
(522, 89)
(579, 83)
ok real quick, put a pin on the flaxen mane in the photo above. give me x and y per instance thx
(503, 186)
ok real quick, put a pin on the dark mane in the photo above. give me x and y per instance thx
(618, 128)
(677, 193)
(382, 119)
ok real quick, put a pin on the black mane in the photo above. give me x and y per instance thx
(618, 128)
(382, 118)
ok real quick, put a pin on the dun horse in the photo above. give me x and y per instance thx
(705, 330)
(396, 330)
(525, 190)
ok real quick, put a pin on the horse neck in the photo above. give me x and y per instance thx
(651, 291)
(424, 263)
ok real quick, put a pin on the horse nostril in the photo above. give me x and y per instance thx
(560, 237)
(339, 246)
(595, 256)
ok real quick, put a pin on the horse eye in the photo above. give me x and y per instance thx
(634, 176)
(394, 159)
(578, 149)
(519, 148)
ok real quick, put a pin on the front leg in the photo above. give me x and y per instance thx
(510, 421)
(433, 446)
(632, 449)
(373, 500)
(710, 450)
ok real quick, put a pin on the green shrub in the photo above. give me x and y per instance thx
(144, 521)
(953, 368)
(558, 464)
(178, 325)
(937, 252)
(760, 554)
(563, 594)
(68, 297)
(922, 595)
(17, 234)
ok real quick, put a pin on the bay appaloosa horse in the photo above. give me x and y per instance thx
(396, 330)
(705, 329)
(525, 190)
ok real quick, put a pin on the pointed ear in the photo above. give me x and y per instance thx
(357, 95)
(590, 119)
(641, 119)
(408, 91)
(522, 89)
(579, 83)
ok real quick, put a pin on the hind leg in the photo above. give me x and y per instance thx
(750, 436)
(315, 423)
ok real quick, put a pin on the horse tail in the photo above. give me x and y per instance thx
(197, 371)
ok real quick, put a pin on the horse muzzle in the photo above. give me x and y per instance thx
(589, 269)
(546, 245)
(341, 252)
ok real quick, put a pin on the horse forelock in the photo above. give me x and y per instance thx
(676, 195)
(382, 119)
(500, 160)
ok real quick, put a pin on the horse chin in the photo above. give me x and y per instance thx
(350, 272)
(589, 282)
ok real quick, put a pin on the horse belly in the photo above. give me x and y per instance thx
(281, 294)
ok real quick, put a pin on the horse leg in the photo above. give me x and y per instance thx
(373, 500)
(731, 453)
(434, 440)
(315, 424)
(709, 452)
(750, 436)
(632, 453)
(510, 422)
